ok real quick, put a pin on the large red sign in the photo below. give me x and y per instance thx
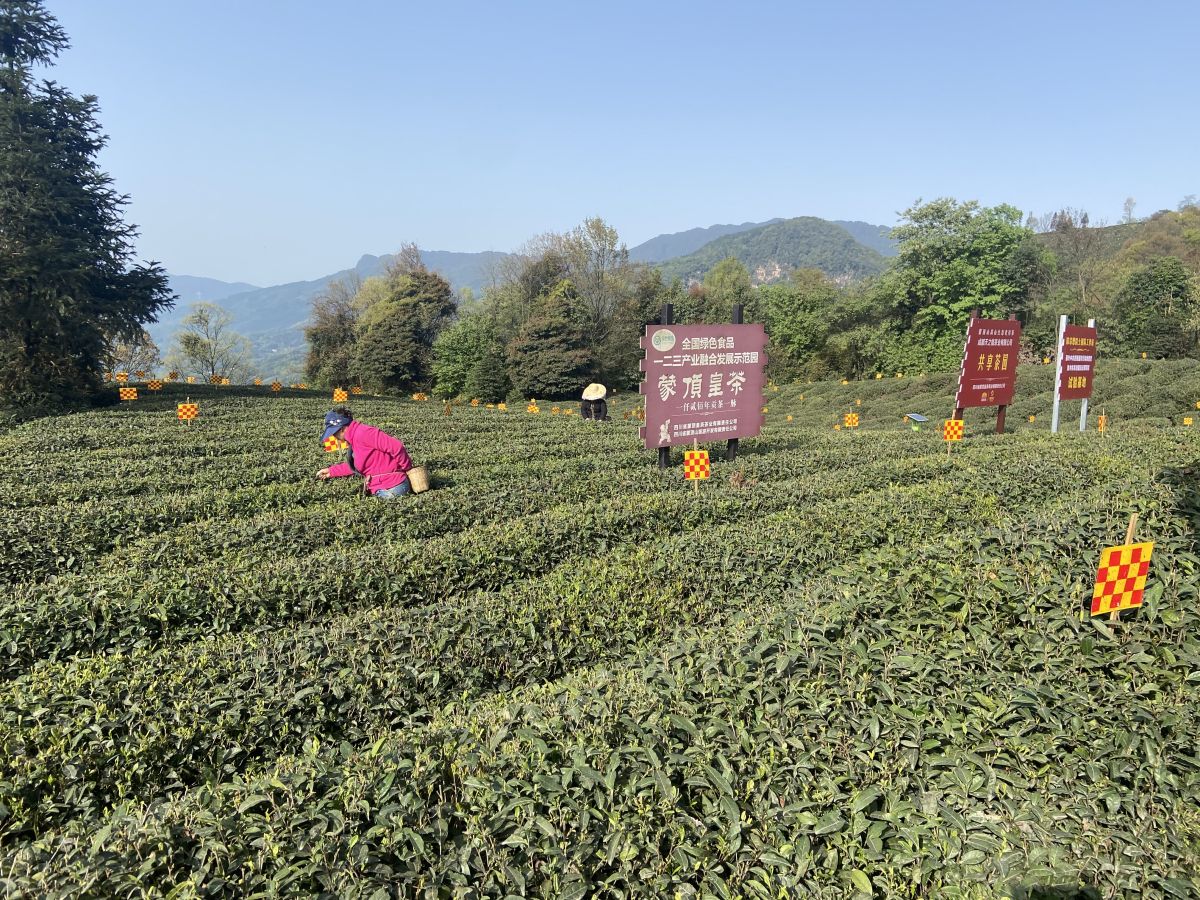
(1076, 362)
(703, 383)
(989, 370)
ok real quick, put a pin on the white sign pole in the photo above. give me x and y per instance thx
(1083, 415)
(1058, 370)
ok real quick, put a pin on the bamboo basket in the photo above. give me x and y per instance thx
(418, 477)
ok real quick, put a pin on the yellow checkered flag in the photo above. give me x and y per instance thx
(696, 465)
(340, 395)
(1121, 578)
(128, 393)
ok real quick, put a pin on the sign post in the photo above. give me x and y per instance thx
(1083, 415)
(1076, 367)
(988, 376)
(1062, 327)
(702, 383)
(664, 451)
(731, 448)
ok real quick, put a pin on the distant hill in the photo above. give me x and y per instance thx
(191, 288)
(273, 317)
(681, 243)
(877, 237)
(772, 251)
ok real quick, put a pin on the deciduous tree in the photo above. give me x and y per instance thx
(207, 344)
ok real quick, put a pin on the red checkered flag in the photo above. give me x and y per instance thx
(696, 465)
(1121, 578)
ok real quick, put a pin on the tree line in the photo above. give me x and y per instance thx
(570, 308)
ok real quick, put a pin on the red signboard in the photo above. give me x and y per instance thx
(989, 370)
(703, 383)
(1076, 362)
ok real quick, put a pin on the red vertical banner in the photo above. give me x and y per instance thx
(989, 370)
(1077, 363)
(702, 383)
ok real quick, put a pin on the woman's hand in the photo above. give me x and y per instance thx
(323, 473)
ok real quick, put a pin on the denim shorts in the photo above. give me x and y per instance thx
(393, 492)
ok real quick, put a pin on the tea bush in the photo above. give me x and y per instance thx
(851, 665)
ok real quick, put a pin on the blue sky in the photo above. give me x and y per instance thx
(268, 141)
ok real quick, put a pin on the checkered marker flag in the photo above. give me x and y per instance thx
(333, 445)
(1121, 578)
(128, 393)
(340, 395)
(952, 430)
(187, 411)
(696, 465)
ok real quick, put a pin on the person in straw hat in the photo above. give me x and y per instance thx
(593, 406)
(378, 457)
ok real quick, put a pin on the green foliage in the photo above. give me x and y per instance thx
(726, 284)
(68, 288)
(488, 379)
(457, 351)
(547, 357)
(332, 337)
(799, 315)
(953, 257)
(401, 318)
(1158, 310)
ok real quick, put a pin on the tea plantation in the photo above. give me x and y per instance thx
(852, 665)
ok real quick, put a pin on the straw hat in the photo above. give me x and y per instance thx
(594, 392)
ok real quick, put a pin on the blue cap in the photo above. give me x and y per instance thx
(334, 422)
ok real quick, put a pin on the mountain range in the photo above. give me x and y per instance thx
(273, 317)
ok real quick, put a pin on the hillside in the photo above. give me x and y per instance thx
(192, 288)
(849, 666)
(681, 243)
(1166, 233)
(877, 237)
(771, 251)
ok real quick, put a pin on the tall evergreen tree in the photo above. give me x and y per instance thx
(547, 357)
(488, 379)
(68, 289)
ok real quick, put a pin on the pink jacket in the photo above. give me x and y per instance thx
(376, 454)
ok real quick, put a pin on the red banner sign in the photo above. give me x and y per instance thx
(989, 370)
(703, 383)
(1076, 363)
